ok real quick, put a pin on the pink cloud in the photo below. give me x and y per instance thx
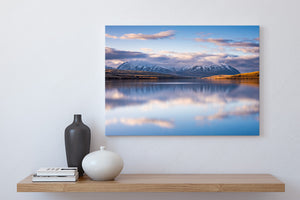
(248, 50)
(140, 36)
(111, 36)
(227, 42)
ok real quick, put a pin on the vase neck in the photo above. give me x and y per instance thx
(77, 119)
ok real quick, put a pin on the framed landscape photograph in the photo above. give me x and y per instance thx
(182, 80)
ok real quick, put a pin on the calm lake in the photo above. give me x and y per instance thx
(181, 107)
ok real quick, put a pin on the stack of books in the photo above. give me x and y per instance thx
(53, 174)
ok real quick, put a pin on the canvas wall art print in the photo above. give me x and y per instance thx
(182, 80)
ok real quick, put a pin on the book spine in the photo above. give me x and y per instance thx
(36, 178)
(62, 173)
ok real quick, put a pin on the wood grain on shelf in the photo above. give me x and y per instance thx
(162, 183)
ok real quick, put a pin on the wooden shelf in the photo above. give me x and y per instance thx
(162, 183)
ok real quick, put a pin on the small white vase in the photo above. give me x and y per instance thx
(102, 165)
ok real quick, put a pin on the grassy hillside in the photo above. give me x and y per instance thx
(131, 74)
(250, 75)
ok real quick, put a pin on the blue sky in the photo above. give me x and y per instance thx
(177, 46)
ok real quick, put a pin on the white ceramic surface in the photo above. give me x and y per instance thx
(102, 165)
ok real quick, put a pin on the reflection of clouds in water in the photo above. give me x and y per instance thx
(166, 94)
(227, 98)
(141, 121)
(111, 121)
(124, 101)
(114, 94)
(245, 110)
(200, 101)
(174, 105)
(164, 100)
(197, 99)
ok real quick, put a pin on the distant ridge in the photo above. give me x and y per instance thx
(249, 75)
(111, 74)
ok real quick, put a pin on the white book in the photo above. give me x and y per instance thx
(36, 178)
(57, 171)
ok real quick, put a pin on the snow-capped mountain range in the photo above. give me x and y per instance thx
(197, 70)
(143, 66)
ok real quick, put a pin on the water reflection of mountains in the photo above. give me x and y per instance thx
(135, 88)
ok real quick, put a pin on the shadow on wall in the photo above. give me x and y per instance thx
(173, 196)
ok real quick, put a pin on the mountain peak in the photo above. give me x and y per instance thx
(144, 66)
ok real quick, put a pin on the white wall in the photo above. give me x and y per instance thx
(52, 66)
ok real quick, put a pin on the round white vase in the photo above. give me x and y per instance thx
(102, 165)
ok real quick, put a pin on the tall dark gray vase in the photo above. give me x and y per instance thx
(77, 142)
